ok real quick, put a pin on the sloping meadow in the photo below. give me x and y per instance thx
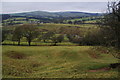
(57, 62)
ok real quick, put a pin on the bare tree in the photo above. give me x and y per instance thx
(18, 34)
(111, 22)
(30, 32)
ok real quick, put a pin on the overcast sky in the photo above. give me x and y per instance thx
(55, 0)
(17, 7)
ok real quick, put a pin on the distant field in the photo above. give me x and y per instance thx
(56, 62)
(19, 20)
(63, 25)
(53, 25)
(85, 19)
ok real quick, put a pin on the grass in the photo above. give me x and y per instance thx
(53, 25)
(19, 20)
(56, 62)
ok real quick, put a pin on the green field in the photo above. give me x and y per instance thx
(85, 19)
(57, 62)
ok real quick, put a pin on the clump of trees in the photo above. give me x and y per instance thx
(53, 36)
(28, 31)
(111, 24)
(31, 32)
(72, 33)
(56, 39)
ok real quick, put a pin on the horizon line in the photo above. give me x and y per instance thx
(52, 11)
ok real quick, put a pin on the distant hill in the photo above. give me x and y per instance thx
(55, 14)
(77, 14)
(36, 14)
(45, 17)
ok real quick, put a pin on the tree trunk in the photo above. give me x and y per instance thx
(29, 42)
(44, 41)
(117, 34)
(19, 42)
(55, 44)
(118, 44)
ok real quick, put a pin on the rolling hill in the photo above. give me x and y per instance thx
(44, 17)
(44, 14)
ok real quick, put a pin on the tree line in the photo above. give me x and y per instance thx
(74, 34)
(30, 32)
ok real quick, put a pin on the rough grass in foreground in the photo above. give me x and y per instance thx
(56, 62)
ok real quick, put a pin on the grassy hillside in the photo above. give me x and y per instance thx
(44, 17)
(23, 20)
(56, 62)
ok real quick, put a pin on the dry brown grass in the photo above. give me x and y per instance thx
(16, 55)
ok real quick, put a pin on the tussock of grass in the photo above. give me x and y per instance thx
(36, 64)
(94, 54)
(16, 55)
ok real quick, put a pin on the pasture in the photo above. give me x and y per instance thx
(61, 43)
(57, 62)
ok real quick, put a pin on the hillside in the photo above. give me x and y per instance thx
(47, 17)
(43, 14)
(56, 62)
(77, 14)
(55, 14)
